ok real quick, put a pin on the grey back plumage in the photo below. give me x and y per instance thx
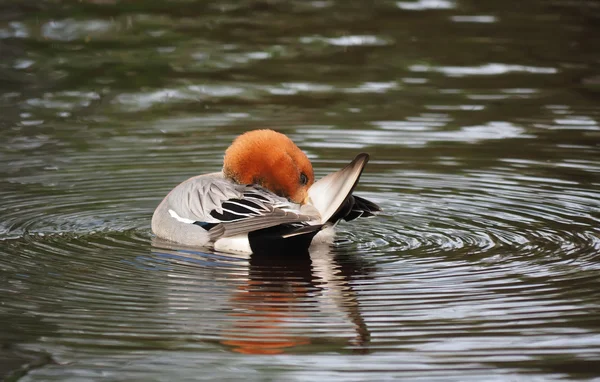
(205, 208)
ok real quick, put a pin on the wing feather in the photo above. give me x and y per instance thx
(233, 208)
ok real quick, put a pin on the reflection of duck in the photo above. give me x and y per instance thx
(274, 309)
(264, 303)
(264, 199)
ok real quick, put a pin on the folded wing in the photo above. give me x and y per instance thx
(224, 208)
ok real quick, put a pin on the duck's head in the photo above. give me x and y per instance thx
(271, 160)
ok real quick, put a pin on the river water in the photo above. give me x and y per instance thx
(483, 124)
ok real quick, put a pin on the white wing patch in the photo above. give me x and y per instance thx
(175, 216)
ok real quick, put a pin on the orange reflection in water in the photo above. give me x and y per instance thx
(269, 303)
(261, 327)
(270, 310)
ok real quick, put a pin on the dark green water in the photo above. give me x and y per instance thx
(483, 124)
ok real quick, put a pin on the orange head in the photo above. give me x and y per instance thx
(271, 160)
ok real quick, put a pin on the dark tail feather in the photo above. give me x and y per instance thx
(355, 207)
(362, 208)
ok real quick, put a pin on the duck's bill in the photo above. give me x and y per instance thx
(329, 193)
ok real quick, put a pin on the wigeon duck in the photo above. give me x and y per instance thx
(264, 199)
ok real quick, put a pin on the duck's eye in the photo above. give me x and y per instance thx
(303, 179)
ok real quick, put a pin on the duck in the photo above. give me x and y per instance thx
(265, 199)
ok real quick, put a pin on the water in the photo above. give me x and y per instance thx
(483, 125)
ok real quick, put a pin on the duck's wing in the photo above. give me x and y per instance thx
(255, 210)
(224, 208)
(332, 195)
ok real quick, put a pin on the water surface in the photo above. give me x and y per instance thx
(483, 125)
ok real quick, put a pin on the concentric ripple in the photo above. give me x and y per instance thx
(480, 213)
(483, 135)
(461, 265)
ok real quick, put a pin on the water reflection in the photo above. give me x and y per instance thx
(484, 139)
(277, 303)
(268, 301)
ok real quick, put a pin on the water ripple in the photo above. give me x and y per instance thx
(457, 264)
(483, 135)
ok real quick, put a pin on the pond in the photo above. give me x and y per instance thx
(482, 120)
